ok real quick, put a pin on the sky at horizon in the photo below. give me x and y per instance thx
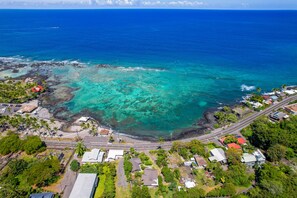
(194, 4)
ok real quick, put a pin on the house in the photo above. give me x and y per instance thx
(241, 111)
(218, 155)
(241, 141)
(233, 145)
(259, 156)
(252, 159)
(278, 116)
(150, 177)
(190, 184)
(200, 161)
(274, 98)
(292, 108)
(248, 159)
(290, 92)
(42, 195)
(114, 155)
(135, 164)
(84, 185)
(94, 156)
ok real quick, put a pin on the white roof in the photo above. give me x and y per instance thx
(290, 92)
(259, 155)
(83, 119)
(114, 154)
(246, 158)
(190, 184)
(95, 155)
(218, 154)
(84, 185)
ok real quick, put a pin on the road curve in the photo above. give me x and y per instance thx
(146, 145)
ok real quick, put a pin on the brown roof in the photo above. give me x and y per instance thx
(104, 132)
(136, 164)
(28, 108)
(200, 160)
(150, 177)
(292, 107)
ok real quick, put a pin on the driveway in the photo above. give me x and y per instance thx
(122, 182)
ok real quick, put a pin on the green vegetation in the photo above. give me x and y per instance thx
(225, 116)
(16, 91)
(269, 136)
(127, 167)
(12, 144)
(18, 122)
(274, 181)
(145, 159)
(142, 192)
(23, 177)
(107, 174)
(188, 149)
(74, 165)
(80, 149)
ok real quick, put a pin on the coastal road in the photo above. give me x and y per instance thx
(96, 142)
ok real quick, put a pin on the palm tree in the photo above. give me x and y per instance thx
(80, 149)
(259, 89)
(284, 86)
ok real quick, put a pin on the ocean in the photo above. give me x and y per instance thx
(166, 67)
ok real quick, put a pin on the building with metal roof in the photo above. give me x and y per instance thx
(84, 186)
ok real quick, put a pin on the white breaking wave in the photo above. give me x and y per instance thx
(131, 69)
(247, 88)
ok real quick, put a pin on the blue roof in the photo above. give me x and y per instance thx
(42, 195)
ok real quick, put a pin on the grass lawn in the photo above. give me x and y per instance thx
(100, 187)
(122, 192)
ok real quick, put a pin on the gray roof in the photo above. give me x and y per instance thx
(42, 195)
(84, 186)
(150, 177)
(136, 164)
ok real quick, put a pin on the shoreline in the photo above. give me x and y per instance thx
(58, 93)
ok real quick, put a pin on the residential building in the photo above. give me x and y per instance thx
(248, 159)
(84, 186)
(233, 145)
(114, 155)
(200, 161)
(94, 156)
(292, 108)
(42, 195)
(259, 156)
(150, 177)
(135, 164)
(241, 141)
(218, 155)
(278, 116)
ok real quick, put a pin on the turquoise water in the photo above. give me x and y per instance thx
(166, 66)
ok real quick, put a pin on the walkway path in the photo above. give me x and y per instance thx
(122, 182)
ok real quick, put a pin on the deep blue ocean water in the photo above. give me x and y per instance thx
(177, 63)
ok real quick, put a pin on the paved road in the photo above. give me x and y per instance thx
(92, 142)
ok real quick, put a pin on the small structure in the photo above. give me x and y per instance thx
(218, 155)
(274, 98)
(27, 108)
(200, 161)
(292, 108)
(42, 195)
(241, 111)
(83, 119)
(94, 156)
(150, 177)
(278, 116)
(104, 132)
(290, 92)
(84, 185)
(114, 155)
(190, 184)
(188, 163)
(135, 164)
(37, 89)
(233, 145)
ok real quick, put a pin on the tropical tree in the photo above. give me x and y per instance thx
(80, 149)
